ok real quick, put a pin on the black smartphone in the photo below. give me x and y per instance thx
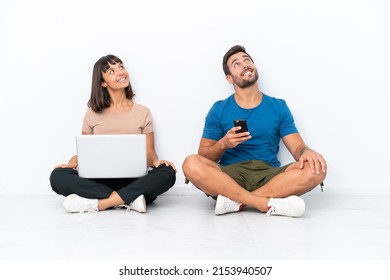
(242, 123)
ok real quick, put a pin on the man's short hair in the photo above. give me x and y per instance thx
(233, 50)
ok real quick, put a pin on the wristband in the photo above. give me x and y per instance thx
(303, 150)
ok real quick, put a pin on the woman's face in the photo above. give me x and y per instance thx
(116, 77)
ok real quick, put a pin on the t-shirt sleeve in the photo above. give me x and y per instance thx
(212, 127)
(287, 125)
(148, 123)
(86, 127)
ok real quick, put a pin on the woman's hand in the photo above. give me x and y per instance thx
(157, 163)
(65, 165)
(71, 164)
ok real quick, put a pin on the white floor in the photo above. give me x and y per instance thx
(184, 227)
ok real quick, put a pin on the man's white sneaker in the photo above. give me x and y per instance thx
(292, 206)
(77, 204)
(225, 205)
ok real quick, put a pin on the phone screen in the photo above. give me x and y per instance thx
(243, 124)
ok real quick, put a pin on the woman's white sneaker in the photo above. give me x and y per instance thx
(138, 204)
(77, 204)
(292, 206)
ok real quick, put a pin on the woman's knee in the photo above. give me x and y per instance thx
(58, 178)
(55, 176)
(166, 170)
(166, 174)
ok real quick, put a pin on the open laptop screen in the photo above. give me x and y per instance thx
(111, 156)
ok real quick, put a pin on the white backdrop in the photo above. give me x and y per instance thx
(328, 59)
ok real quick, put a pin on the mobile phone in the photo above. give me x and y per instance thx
(243, 124)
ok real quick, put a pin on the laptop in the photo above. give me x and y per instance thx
(111, 156)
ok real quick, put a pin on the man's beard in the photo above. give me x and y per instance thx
(238, 81)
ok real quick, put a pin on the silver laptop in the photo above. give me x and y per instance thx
(111, 156)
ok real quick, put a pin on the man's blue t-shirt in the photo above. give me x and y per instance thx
(267, 123)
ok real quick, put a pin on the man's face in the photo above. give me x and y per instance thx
(243, 71)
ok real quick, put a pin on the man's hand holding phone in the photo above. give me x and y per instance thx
(237, 134)
(242, 124)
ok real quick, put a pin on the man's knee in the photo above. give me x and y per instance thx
(190, 164)
(313, 179)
